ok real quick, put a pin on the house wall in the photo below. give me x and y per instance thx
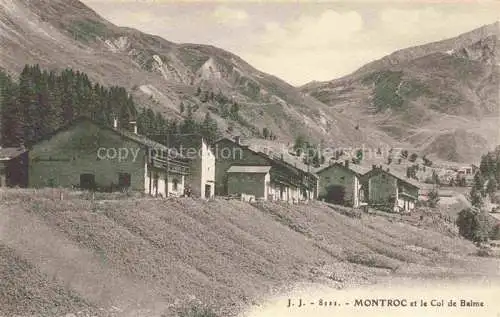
(60, 160)
(357, 187)
(194, 179)
(404, 202)
(273, 191)
(15, 171)
(201, 169)
(163, 186)
(294, 194)
(208, 170)
(3, 174)
(381, 188)
(336, 175)
(227, 154)
(277, 191)
(248, 183)
(409, 189)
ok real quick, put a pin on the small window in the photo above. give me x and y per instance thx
(175, 184)
(124, 180)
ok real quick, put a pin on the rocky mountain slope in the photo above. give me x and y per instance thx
(441, 97)
(162, 75)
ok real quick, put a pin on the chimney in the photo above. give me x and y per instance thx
(281, 157)
(346, 163)
(115, 123)
(374, 166)
(134, 126)
(237, 139)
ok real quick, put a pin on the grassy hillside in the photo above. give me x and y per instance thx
(151, 256)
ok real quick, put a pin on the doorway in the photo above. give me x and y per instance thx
(87, 181)
(335, 194)
(208, 191)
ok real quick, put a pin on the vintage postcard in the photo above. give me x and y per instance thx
(170, 158)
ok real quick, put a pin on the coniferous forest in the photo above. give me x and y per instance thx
(42, 101)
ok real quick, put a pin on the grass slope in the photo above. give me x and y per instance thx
(153, 256)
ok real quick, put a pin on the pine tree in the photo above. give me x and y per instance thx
(12, 134)
(160, 124)
(476, 198)
(316, 160)
(265, 133)
(209, 128)
(53, 115)
(150, 125)
(299, 145)
(479, 184)
(492, 186)
(234, 112)
(173, 127)
(477, 192)
(28, 104)
(359, 156)
(189, 125)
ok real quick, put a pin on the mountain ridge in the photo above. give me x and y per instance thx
(412, 99)
(426, 94)
(162, 74)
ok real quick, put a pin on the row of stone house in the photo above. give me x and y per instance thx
(240, 169)
(87, 155)
(352, 185)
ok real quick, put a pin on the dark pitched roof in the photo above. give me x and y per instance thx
(141, 139)
(275, 161)
(185, 141)
(249, 169)
(396, 175)
(137, 138)
(353, 168)
(8, 153)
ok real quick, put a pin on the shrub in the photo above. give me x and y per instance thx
(413, 157)
(495, 198)
(473, 225)
(433, 198)
(495, 232)
(483, 252)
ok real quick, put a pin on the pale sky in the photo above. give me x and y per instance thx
(302, 41)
